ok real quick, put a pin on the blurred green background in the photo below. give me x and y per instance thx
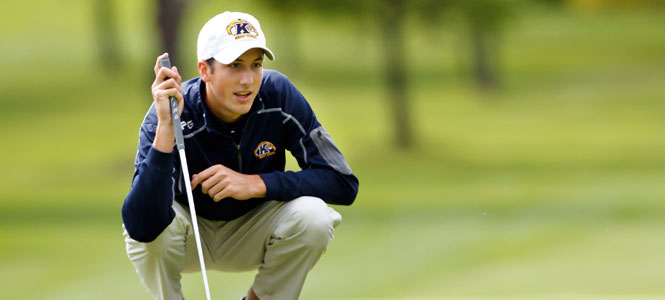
(541, 180)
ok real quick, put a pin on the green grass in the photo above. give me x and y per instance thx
(549, 188)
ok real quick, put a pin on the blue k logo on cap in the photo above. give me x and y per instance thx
(241, 28)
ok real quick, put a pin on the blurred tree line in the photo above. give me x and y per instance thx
(483, 17)
(595, 5)
(483, 22)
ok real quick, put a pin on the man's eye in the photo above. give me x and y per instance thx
(235, 65)
(258, 65)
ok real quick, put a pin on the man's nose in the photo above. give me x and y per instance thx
(246, 77)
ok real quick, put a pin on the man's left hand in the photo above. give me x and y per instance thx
(220, 182)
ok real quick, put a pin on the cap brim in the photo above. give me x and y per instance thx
(231, 53)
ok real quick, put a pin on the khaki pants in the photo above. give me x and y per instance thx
(283, 240)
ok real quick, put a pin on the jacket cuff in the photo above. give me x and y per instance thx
(159, 161)
(272, 186)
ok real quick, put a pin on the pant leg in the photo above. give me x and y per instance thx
(302, 229)
(159, 263)
(283, 239)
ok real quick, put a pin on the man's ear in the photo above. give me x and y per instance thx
(204, 71)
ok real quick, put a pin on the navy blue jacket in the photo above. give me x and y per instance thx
(280, 119)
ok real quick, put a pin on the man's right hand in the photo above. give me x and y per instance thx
(167, 84)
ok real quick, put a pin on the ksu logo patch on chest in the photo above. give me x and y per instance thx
(264, 149)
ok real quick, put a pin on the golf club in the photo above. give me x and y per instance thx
(180, 143)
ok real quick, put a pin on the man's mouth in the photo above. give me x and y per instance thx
(243, 96)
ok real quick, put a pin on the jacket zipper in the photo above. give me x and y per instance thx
(239, 157)
(240, 142)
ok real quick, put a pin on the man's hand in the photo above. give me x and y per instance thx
(220, 182)
(167, 83)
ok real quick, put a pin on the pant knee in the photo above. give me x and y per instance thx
(312, 221)
(168, 247)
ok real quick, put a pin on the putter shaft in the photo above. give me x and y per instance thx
(180, 144)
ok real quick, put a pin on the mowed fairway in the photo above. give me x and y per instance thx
(549, 188)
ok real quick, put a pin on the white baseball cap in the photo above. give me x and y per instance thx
(228, 35)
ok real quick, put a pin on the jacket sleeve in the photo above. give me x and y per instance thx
(147, 209)
(325, 172)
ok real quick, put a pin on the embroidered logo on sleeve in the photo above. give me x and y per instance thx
(264, 149)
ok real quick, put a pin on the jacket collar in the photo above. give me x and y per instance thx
(213, 124)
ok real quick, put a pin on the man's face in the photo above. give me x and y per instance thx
(231, 89)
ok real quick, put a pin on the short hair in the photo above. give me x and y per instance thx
(211, 64)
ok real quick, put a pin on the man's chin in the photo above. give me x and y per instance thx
(244, 107)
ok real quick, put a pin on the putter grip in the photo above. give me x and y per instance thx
(175, 116)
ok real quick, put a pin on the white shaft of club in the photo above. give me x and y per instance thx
(195, 223)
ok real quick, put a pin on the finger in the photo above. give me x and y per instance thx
(165, 73)
(224, 193)
(177, 74)
(181, 102)
(219, 186)
(160, 76)
(205, 174)
(213, 180)
(164, 94)
(196, 179)
(157, 66)
(168, 83)
(202, 176)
